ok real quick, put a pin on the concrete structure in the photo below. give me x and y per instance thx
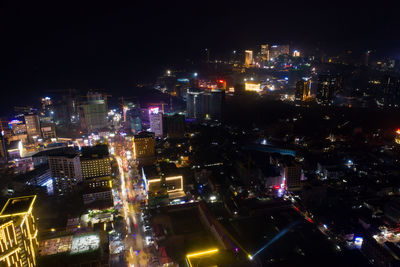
(95, 162)
(65, 170)
(143, 146)
(32, 127)
(303, 90)
(93, 112)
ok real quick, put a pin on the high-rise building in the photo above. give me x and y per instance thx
(93, 112)
(65, 170)
(214, 104)
(390, 91)
(18, 233)
(32, 126)
(95, 162)
(264, 52)
(327, 87)
(155, 118)
(292, 173)
(131, 117)
(303, 90)
(195, 104)
(48, 130)
(248, 58)
(277, 50)
(143, 145)
(174, 126)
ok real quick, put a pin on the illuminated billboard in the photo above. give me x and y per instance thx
(252, 86)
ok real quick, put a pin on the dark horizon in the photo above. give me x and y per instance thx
(49, 46)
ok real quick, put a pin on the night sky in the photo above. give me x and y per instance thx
(97, 44)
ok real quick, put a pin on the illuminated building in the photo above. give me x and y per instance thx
(97, 192)
(292, 173)
(93, 112)
(277, 50)
(48, 131)
(303, 90)
(221, 84)
(174, 125)
(248, 58)
(252, 86)
(296, 53)
(18, 233)
(80, 249)
(264, 52)
(143, 145)
(32, 127)
(17, 126)
(65, 169)
(95, 162)
(397, 137)
(155, 118)
(327, 87)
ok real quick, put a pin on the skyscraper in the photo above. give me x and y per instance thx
(156, 121)
(95, 162)
(264, 52)
(277, 50)
(303, 90)
(93, 112)
(195, 104)
(214, 103)
(328, 85)
(65, 170)
(174, 126)
(248, 58)
(18, 233)
(143, 145)
(132, 119)
(32, 126)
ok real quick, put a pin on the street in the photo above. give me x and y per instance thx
(136, 251)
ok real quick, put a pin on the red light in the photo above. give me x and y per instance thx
(311, 221)
(277, 187)
(221, 81)
(296, 208)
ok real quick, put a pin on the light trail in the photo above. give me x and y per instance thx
(276, 237)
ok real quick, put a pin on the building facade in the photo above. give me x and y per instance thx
(65, 171)
(156, 121)
(143, 145)
(18, 233)
(32, 127)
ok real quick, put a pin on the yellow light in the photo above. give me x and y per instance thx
(202, 253)
(52, 229)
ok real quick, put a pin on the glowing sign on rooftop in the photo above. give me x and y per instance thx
(154, 110)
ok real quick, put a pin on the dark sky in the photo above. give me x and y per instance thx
(62, 44)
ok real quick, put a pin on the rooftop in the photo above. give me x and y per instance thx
(17, 205)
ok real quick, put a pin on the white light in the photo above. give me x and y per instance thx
(195, 74)
(252, 78)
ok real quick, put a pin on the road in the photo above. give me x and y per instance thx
(137, 254)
